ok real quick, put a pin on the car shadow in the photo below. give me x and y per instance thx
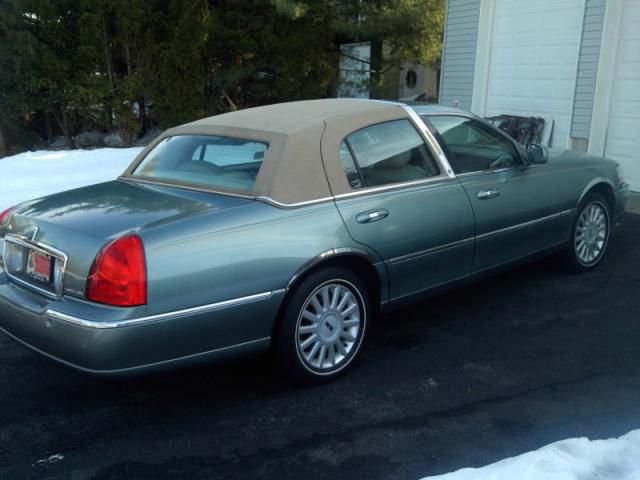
(488, 370)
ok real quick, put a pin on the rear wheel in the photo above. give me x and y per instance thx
(590, 233)
(323, 325)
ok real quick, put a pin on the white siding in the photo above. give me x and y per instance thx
(459, 55)
(588, 68)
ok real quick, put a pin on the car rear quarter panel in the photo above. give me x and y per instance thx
(244, 251)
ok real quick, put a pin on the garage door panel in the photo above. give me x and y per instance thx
(623, 133)
(630, 55)
(624, 128)
(535, 48)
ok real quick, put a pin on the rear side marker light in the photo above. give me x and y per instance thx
(5, 217)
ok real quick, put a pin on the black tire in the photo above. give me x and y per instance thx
(575, 255)
(296, 361)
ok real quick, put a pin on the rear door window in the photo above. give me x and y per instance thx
(390, 152)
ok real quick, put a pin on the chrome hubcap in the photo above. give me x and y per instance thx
(328, 326)
(591, 233)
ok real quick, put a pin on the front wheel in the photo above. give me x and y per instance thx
(323, 325)
(590, 233)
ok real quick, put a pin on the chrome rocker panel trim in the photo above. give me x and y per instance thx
(54, 314)
(525, 224)
(436, 249)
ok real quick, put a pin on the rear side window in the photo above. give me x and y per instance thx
(349, 166)
(218, 162)
(391, 152)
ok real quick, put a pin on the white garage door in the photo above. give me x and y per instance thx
(623, 134)
(534, 54)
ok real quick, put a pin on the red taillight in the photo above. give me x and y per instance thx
(4, 217)
(118, 275)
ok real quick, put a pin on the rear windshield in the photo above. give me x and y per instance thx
(222, 162)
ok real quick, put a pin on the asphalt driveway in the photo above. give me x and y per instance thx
(497, 368)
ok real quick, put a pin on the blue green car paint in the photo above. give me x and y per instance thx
(221, 265)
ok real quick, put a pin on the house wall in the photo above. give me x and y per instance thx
(588, 68)
(460, 61)
(459, 55)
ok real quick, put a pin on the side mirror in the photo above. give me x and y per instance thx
(537, 153)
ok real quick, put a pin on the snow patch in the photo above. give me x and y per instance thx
(51, 459)
(36, 174)
(573, 459)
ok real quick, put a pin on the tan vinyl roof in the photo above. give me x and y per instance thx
(293, 171)
(292, 117)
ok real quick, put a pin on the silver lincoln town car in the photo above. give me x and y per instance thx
(288, 227)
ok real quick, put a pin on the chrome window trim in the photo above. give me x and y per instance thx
(262, 198)
(234, 302)
(498, 170)
(524, 224)
(43, 248)
(449, 114)
(276, 203)
(359, 192)
(395, 186)
(160, 183)
(431, 141)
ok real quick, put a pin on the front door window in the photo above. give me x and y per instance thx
(474, 147)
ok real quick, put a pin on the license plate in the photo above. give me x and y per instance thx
(39, 266)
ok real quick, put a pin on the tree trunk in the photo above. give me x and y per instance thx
(127, 56)
(67, 130)
(376, 73)
(48, 126)
(107, 53)
(143, 114)
(63, 123)
(3, 143)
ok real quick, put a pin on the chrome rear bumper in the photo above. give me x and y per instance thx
(99, 339)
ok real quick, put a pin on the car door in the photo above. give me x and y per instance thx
(516, 205)
(402, 203)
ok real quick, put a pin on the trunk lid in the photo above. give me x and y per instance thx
(80, 222)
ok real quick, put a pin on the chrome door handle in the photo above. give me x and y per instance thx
(372, 216)
(487, 194)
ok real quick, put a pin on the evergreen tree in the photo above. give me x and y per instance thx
(63, 80)
(399, 31)
(73, 65)
(180, 95)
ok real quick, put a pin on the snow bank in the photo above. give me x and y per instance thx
(35, 174)
(574, 459)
